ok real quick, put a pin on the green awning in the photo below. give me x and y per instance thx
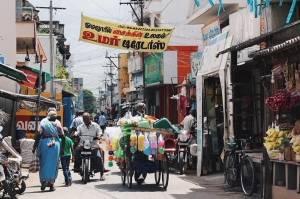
(12, 73)
(47, 75)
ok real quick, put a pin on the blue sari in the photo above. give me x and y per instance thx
(48, 156)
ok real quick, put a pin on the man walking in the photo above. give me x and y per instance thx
(75, 123)
(102, 122)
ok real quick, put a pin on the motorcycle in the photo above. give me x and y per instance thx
(12, 181)
(178, 159)
(89, 164)
(192, 151)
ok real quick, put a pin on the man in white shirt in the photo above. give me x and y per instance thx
(188, 120)
(86, 131)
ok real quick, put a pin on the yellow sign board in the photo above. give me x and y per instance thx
(123, 36)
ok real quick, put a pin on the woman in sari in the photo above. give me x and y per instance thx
(48, 149)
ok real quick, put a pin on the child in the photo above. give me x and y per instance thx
(65, 156)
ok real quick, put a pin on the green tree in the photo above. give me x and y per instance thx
(89, 101)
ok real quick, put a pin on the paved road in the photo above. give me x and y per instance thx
(187, 186)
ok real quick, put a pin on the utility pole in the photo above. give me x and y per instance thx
(111, 83)
(112, 64)
(105, 81)
(141, 22)
(39, 97)
(51, 47)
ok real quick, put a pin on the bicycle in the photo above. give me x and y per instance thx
(242, 167)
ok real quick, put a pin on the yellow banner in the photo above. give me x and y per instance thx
(123, 36)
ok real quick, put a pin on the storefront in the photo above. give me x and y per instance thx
(274, 74)
(211, 105)
(283, 85)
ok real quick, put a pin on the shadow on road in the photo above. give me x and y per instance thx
(135, 187)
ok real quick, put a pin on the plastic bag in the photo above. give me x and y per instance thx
(147, 150)
(119, 154)
(161, 145)
(141, 140)
(34, 165)
(153, 143)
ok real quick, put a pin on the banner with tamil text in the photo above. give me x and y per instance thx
(123, 36)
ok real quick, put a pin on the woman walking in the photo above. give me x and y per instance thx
(48, 149)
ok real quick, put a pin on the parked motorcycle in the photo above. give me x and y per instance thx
(89, 164)
(192, 151)
(12, 181)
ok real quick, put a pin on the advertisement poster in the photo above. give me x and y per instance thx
(124, 36)
(154, 69)
(195, 63)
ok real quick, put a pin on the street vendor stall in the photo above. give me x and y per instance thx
(142, 147)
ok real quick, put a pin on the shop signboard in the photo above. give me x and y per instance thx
(210, 62)
(210, 31)
(31, 76)
(153, 69)
(244, 26)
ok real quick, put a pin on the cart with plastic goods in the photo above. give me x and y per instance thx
(136, 162)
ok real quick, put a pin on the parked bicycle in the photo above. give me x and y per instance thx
(242, 167)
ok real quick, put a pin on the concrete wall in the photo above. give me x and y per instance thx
(8, 40)
(175, 15)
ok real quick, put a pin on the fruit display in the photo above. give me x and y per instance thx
(283, 100)
(275, 139)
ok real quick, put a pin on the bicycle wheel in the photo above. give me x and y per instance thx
(247, 176)
(230, 171)
(123, 173)
(165, 171)
(129, 174)
(157, 173)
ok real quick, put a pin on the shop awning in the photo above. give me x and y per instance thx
(29, 98)
(13, 74)
(256, 40)
(277, 48)
(67, 94)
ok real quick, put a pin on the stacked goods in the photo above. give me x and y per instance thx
(295, 141)
(26, 146)
(283, 100)
(274, 139)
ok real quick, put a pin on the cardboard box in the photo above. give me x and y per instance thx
(293, 155)
(287, 153)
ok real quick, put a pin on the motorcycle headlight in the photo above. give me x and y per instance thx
(87, 145)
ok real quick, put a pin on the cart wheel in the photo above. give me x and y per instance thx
(123, 173)
(157, 173)
(129, 174)
(165, 171)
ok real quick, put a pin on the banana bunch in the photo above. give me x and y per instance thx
(274, 139)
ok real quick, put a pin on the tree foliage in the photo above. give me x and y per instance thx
(89, 101)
